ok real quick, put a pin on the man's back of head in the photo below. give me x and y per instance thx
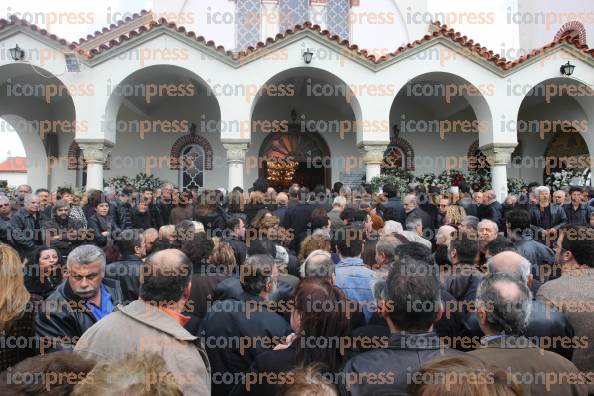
(257, 275)
(510, 262)
(413, 289)
(165, 277)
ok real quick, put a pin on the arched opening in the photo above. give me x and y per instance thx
(160, 116)
(440, 113)
(554, 129)
(306, 132)
(288, 159)
(38, 107)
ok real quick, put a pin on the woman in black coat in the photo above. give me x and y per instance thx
(43, 272)
(102, 224)
(314, 340)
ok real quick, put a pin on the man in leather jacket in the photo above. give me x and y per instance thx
(412, 341)
(84, 298)
(127, 270)
(122, 208)
(26, 227)
(547, 217)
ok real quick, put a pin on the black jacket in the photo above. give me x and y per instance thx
(391, 366)
(26, 231)
(228, 320)
(64, 317)
(581, 216)
(547, 324)
(95, 225)
(493, 212)
(22, 328)
(213, 222)
(5, 230)
(143, 221)
(122, 214)
(239, 248)
(469, 206)
(537, 253)
(396, 207)
(426, 219)
(38, 286)
(298, 217)
(67, 237)
(558, 217)
(127, 272)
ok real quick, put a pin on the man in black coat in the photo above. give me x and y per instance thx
(59, 233)
(5, 212)
(297, 217)
(236, 330)
(25, 225)
(79, 302)
(577, 212)
(411, 208)
(466, 201)
(412, 342)
(491, 209)
(522, 234)
(127, 269)
(393, 203)
(122, 209)
(546, 323)
(547, 217)
(234, 235)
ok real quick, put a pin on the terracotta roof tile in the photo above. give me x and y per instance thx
(14, 165)
(438, 30)
(17, 21)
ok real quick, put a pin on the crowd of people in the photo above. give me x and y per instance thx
(410, 291)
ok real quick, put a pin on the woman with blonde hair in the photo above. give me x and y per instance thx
(454, 216)
(17, 310)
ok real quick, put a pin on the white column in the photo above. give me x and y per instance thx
(373, 155)
(236, 163)
(95, 155)
(499, 156)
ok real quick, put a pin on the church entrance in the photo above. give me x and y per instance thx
(295, 157)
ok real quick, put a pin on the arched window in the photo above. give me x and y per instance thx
(191, 171)
(399, 155)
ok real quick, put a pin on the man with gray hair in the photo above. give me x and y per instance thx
(25, 225)
(547, 217)
(545, 322)
(503, 312)
(338, 206)
(469, 224)
(318, 264)
(81, 300)
(490, 208)
(414, 230)
(5, 212)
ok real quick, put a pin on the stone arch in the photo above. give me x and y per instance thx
(397, 145)
(184, 141)
(575, 27)
(76, 160)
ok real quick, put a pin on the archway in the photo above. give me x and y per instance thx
(38, 107)
(441, 115)
(161, 116)
(555, 117)
(303, 110)
(287, 158)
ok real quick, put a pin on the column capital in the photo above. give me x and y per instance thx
(498, 153)
(235, 151)
(95, 152)
(373, 153)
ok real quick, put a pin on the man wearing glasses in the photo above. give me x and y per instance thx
(4, 218)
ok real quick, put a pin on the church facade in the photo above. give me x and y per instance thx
(292, 100)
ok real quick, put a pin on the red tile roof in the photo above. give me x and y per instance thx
(439, 30)
(14, 165)
(17, 21)
(112, 27)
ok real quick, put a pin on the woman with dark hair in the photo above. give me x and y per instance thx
(43, 272)
(101, 223)
(207, 212)
(314, 341)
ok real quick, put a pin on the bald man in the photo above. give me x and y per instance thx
(545, 322)
(155, 323)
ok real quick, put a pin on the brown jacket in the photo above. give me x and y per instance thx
(573, 293)
(139, 327)
(531, 366)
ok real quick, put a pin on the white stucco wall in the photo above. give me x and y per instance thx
(13, 179)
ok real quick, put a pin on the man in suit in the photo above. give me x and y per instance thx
(575, 287)
(503, 307)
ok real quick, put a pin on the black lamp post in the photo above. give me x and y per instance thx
(567, 69)
(17, 53)
(308, 56)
